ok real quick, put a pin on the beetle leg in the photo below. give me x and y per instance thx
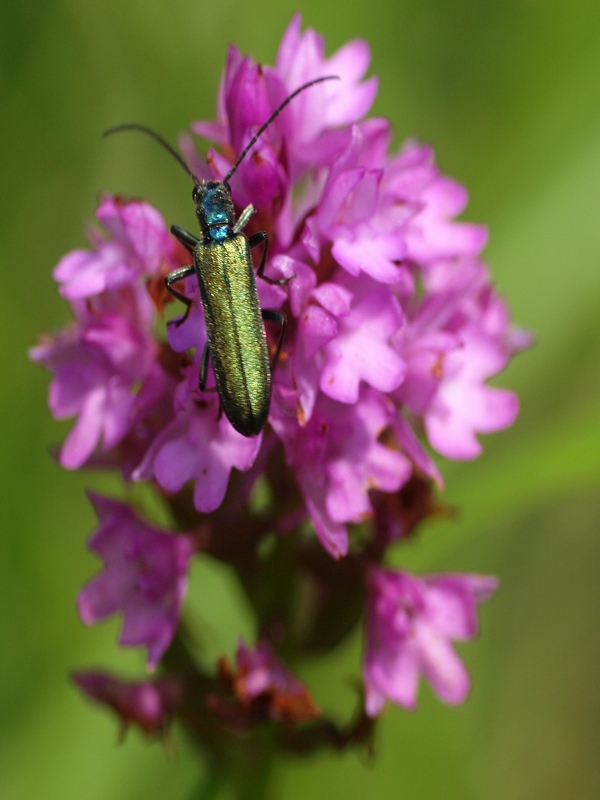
(173, 277)
(203, 368)
(203, 375)
(258, 238)
(189, 241)
(244, 218)
(279, 318)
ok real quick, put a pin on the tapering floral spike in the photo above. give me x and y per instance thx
(393, 332)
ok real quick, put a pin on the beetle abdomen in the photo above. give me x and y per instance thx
(236, 335)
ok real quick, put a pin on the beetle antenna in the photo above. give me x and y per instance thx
(276, 113)
(135, 126)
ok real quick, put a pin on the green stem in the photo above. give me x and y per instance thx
(209, 787)
(251, 769)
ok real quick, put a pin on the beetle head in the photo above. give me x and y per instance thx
(214, 208)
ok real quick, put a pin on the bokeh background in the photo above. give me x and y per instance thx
(508, 91)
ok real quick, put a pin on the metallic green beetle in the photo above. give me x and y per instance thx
(237, 343)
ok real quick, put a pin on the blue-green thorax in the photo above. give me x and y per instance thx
(214, 209)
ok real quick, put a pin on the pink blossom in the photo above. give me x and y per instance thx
(333, 105)
(144, 577)
(105, 375)
(149, 705)
(199, 444)
(260, 674)
(137, 244)
(463, 404)
(338, 460)
(361, 349)
(409, 628)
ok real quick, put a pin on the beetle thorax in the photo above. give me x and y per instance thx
(214, 209)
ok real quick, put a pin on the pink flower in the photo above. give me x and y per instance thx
(409, 628)
(334, 105)
(199, 444)
(260, 674)
(137, 244)
(144, 577)
(463, 404)
(105, 374)
(148, 705)
(361, 349)
(337, 459)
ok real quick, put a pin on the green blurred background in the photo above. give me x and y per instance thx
(508, 91)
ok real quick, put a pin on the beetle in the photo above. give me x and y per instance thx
(237, 344)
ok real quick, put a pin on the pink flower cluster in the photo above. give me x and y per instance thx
(393, 331)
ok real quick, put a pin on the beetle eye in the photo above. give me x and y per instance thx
(196, 193)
